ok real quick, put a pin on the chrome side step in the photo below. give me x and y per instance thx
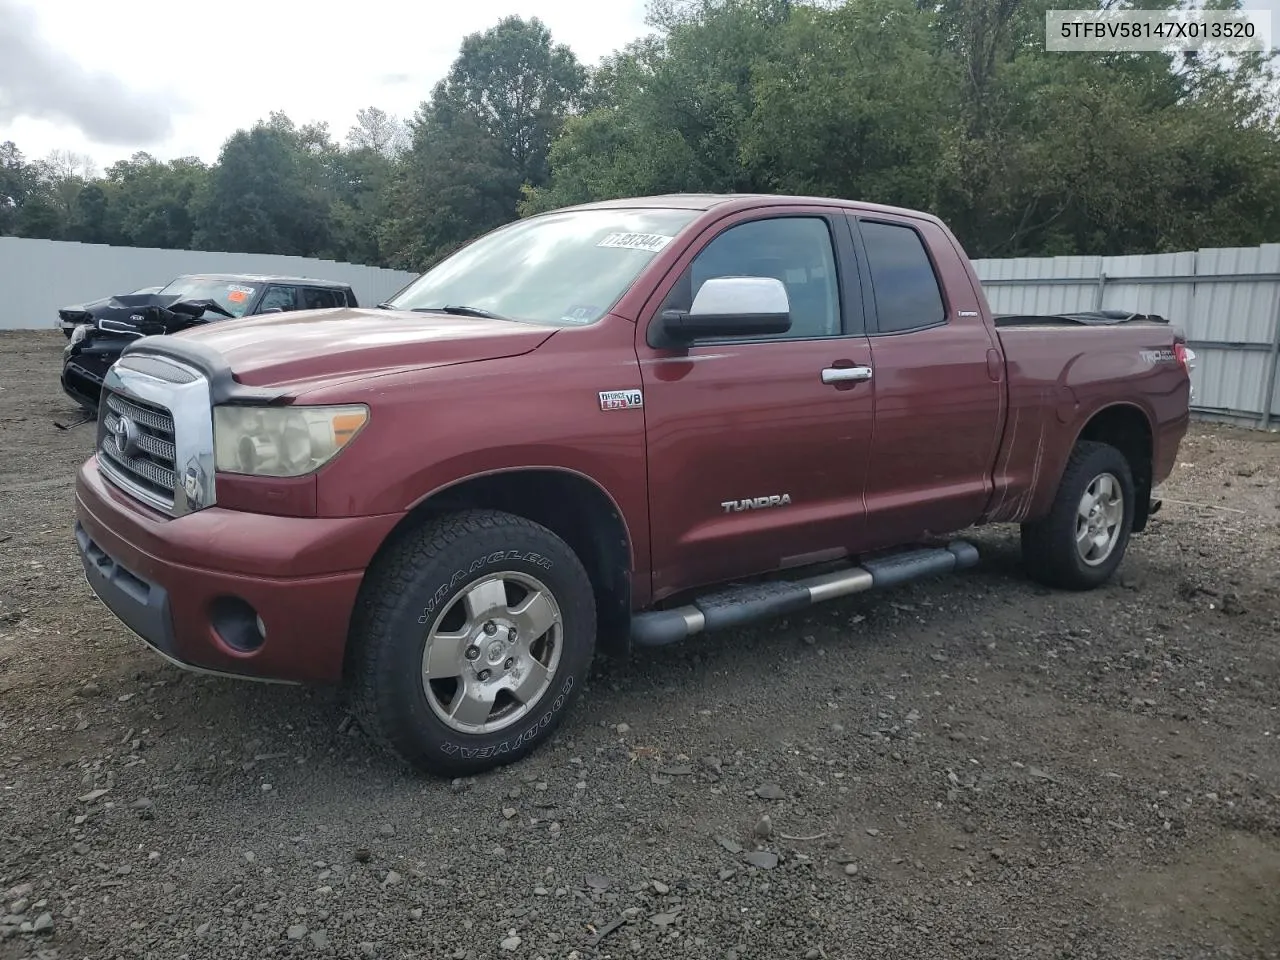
(737, 606)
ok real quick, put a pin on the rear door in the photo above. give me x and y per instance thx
(939, 393)
(758, 446)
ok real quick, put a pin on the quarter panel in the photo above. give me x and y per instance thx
(1060, 377)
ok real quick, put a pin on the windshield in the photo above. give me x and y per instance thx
(564, 269)
(233, 296)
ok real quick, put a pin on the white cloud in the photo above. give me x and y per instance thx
(126, 69)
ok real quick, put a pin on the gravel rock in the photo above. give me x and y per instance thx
(597, 882)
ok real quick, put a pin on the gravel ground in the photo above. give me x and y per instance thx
(972, 767)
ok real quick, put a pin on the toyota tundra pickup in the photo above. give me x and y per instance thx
(622, 423)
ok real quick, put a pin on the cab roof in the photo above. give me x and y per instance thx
(735, 201)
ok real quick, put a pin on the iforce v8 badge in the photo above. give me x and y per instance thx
(621, 399)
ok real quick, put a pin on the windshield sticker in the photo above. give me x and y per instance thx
(578, 314)
(651, 242)
(240, 288)
(237, 296)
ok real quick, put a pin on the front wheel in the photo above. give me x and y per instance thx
(1079, 545)
(473, 638)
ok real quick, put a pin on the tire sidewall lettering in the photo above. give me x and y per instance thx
(447, 590)
(524, 738)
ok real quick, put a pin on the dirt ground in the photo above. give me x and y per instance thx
(972, 767)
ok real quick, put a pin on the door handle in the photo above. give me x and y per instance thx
(843, 374)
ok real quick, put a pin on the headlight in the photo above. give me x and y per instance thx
(79, 332)
(282, 441)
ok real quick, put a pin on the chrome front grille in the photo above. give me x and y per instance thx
(155, 433)
(137, 439)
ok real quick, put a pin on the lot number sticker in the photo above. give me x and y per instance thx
(651, 242)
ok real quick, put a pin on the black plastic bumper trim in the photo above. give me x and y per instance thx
(141, 606)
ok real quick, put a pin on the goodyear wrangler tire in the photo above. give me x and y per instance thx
(473, 639)
(1082, 541)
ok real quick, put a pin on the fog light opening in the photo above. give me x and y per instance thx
(237, 624)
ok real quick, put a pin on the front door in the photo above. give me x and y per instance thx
(758, 446)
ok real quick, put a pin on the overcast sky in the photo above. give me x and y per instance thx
(176, 79)
(109, 77)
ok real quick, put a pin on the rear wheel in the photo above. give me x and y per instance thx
(474, 637)
(1082, 541)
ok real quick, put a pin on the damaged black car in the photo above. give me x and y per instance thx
(103, 329)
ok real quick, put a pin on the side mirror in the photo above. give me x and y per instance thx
(732, 307)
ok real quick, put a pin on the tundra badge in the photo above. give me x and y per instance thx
(756, 503)
(621, 399)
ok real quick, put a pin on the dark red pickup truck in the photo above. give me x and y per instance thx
(621, 423)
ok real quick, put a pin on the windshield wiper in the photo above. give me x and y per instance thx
(385, 306)
(461, 311)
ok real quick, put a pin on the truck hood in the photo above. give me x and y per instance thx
(312, 345)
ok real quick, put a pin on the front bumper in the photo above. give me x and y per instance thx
(191, 587)
(85, 365)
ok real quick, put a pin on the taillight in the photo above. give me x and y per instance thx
(1186, 357)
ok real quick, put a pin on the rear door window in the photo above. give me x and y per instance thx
(906, 289)
(314, 298)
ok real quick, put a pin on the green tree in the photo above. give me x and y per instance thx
(152, 204)
(456, 181)
(17, 180)
(269, 192)
(377, 131)
(518, 86)
(670, 112)
(865, 118)
(483, 136)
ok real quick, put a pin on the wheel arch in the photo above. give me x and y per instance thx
(1127, 427)
(572, 505)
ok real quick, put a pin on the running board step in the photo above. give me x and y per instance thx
(738, 606)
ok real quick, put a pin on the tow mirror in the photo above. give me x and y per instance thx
(732, 307)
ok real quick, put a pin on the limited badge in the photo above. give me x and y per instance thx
(621, 399)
